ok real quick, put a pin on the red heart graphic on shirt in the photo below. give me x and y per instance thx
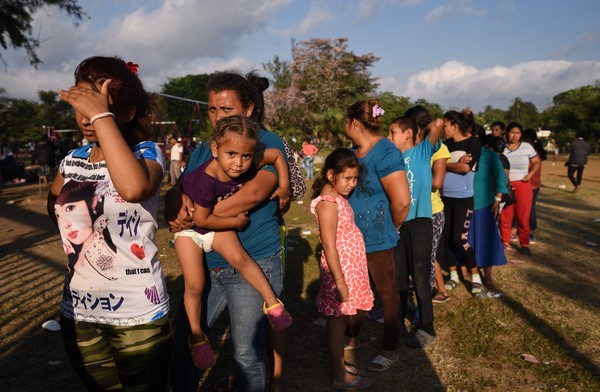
(138, 250)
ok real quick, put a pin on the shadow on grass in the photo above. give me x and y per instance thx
(542, 327)
(307, 365)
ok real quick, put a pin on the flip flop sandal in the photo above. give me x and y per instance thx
(202, 355)
(440, 298)
(451, 285)
(360, 382)
(350, 368)
(420, 339)
(381, 363)
(476, 288)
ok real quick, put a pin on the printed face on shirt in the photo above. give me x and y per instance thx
(402, 139)
(345, 181)
(514, 135)
(225, 103)
(234, 154)
(75, 221)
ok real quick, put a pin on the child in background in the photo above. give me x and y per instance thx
(234, 147)
(413, 254)
(344, 274)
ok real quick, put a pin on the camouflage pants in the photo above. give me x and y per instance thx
(130, 358)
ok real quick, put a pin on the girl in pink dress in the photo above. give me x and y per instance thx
(344, 274)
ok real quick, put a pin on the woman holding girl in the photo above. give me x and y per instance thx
(413, 256)
(380, 202)
(114, 310)
(234, 147)
(344, 275)
(457, 194)
(233, 94)
(524, 164)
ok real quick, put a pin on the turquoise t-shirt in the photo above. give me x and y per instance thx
(489, 179)
(418, 171)
(261, 238)
(369, 201)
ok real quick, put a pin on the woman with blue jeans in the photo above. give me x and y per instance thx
(233, 94)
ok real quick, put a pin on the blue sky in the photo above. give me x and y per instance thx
(456, 53)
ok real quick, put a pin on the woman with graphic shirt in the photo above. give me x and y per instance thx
(114, 310)
(520, 154)
(457, 194)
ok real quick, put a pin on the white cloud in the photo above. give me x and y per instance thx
(367, 9)
(584, 41)
(187, 30)
(317, 16)
(176, 38)
(454, 7)
(455, 84)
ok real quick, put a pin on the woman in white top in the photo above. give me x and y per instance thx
(519, 154)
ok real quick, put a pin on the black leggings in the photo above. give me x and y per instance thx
(454, 244)
(413, 258)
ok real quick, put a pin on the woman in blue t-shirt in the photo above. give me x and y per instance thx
(457, 194)
(232, 94)
(380, 202)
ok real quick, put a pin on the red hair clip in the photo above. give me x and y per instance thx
(132, 67)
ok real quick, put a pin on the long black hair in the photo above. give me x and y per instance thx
(337, 162)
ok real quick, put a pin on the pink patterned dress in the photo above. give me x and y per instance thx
(353, 260)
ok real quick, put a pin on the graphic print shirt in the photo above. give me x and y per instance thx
(114, 276)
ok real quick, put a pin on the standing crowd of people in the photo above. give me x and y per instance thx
(400, 211)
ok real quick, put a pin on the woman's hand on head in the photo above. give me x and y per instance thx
(85, 100)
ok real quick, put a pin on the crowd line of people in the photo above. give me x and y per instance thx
(400, 211)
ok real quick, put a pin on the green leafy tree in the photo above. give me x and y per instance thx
(280, 72)
(184, 112)
(20, 119)
(576, 111)
(55, 112)
(329, 76)
(491, 114)
(15, 23)
(324, 78)
(524, 112)
(393, 105)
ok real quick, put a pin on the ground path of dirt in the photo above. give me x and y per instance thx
(32, 270)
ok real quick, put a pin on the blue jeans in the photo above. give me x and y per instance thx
(249, 327)
(308, 166)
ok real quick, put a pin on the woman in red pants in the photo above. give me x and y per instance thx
(519, 154)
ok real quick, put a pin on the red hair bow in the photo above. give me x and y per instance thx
(132, 67)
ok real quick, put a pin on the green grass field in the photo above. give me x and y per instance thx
(550, 309)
